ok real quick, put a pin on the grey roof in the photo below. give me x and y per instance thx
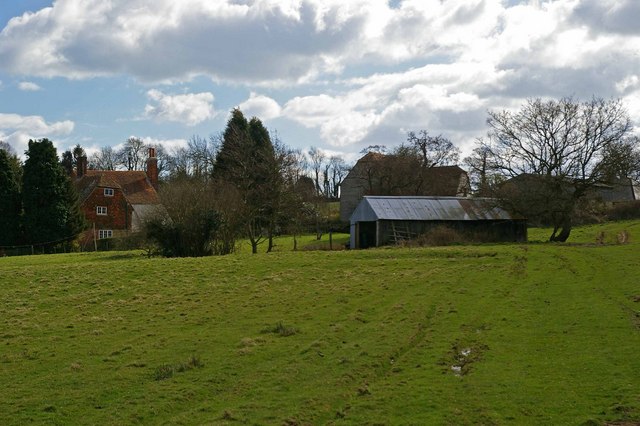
(427, 208)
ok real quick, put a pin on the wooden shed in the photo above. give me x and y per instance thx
(381, 220)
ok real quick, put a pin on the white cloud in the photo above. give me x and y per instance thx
(170, 145)
(18, 129)
(189, 109)
(373, 110)
(260, 106)
(450, 61)
(28, 86)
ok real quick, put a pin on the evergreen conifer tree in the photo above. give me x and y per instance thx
(52, 212)
(10, 206)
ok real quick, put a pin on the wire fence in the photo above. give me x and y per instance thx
(62, 245)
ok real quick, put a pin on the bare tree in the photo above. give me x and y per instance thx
(480, 168)
(133, 155)
(434, 150)
(105, 159)
(622, 160)
(317, 162)
(561, 144)
(338, 170)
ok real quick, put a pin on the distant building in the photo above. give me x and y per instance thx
(369, 175)
(380, 220)
(116, 202)
(620, 190)
(615, 191)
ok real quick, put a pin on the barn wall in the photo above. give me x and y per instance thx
(486, 230)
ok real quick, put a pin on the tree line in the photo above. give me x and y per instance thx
(541, 161)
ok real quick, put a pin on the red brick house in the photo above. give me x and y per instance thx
(116, 202)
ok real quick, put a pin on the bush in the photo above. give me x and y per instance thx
(439, 236)
(624, 211)
(191, 237)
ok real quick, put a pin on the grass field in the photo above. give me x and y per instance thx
(489, 334)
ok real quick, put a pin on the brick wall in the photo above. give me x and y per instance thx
(118, 210)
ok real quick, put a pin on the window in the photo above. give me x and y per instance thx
(108, 192)
(101, 210)
(105, 233)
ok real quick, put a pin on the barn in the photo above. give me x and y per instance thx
(382, 220)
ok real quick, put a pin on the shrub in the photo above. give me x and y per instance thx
(624, 211)
(188, 238)
(439, 236)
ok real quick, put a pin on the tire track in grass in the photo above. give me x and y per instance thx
(385, 369)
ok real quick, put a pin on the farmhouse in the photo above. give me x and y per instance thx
(382, 220)
(379, 174)
(116, 202)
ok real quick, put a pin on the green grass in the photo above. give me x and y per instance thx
(590, 234)
(305, 243)
(488, 334)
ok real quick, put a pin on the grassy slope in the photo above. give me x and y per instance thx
(553, 333)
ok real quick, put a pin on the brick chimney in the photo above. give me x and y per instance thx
(152, 168)
(81, 166)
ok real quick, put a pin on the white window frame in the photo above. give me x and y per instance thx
(108, 192)
(104, 234)
(101, 210)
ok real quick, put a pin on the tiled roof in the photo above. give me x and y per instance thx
(443, 180)
(440, 181)
(134, 184)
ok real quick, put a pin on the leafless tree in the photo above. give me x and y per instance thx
(338, 170)
(622, 160)
(133, 155)
(480, 168)
(105, 159)
(561, 143)
(434, 150)
(317, 162)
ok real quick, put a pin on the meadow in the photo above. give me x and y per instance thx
(499, 334)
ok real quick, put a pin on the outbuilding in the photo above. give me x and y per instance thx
(383, 220)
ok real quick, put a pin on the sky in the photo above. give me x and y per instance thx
(339, 75)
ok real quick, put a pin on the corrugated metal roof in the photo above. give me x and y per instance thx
(427, 208)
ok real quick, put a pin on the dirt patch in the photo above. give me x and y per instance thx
(462, 356)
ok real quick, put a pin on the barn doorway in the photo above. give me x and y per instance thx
(366, 234)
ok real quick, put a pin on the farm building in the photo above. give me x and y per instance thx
(618, 191)
(380, 220)
(379, 174)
